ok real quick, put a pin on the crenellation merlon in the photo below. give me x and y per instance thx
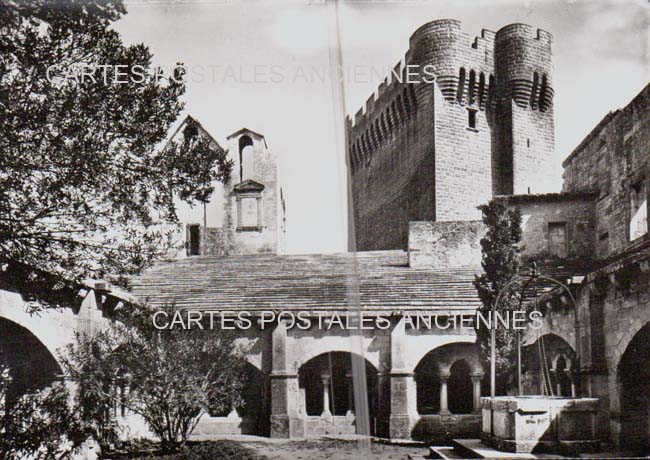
(525, 30)
(370, 104)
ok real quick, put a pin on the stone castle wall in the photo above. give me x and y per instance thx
(413, 153)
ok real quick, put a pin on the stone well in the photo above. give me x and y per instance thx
(539, 424)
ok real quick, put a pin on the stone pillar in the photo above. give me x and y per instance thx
(444, 405)
(302, 403)
(284, 390)
(476, 391)
(573, 388)
(403, 402)
(326, 396)
(350, 381)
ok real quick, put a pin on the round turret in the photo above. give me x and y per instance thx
(524, 66)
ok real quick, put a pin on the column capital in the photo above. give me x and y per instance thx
(444, 375)
(325, 377)
(477, 375)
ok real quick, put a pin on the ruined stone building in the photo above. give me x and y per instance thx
(246, 215)
(434, 152)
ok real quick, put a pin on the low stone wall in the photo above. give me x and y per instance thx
(439, 427)
(217, 427)
(316, 426)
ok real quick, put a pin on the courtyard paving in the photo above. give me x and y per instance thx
(330, 449)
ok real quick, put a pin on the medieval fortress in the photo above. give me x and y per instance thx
(421, 158)
(435, 152)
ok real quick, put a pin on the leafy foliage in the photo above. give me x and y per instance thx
(172, 377)
(500, 262)
(40, 425)
(83, 179)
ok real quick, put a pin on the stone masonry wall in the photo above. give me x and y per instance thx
(612, 158)
(538, 212)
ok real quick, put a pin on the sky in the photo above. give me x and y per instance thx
(266, 65)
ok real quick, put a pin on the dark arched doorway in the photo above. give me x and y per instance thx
(634, 385)
(460, 388)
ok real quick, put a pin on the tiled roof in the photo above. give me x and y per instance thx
(307, 282)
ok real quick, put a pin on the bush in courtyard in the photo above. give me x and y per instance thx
(170, 378)
(39, 425)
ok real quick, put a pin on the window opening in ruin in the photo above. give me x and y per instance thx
(194, 239)
(639, 211)
(557, 239)
(471, 118)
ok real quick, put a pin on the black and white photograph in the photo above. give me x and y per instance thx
(324, 229)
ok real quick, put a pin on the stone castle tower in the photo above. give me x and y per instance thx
(436, 150)
(246, 215)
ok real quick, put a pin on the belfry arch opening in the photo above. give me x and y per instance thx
(245, 158)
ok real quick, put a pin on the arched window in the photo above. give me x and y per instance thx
(472, 86)
(460, 92)
(245, 158)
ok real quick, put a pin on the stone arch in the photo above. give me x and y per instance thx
(418, 351)
(445, 377)
(633, 381)
(32, 366)
(327, 378)
(308, 350)
(560, 359)
(53, 328)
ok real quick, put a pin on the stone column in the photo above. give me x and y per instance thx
(326, 396)
(444, 406)
(350, 381)
(284, 389)
(302, 403)
(476, 391)
(573, 387)
(403, 402)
